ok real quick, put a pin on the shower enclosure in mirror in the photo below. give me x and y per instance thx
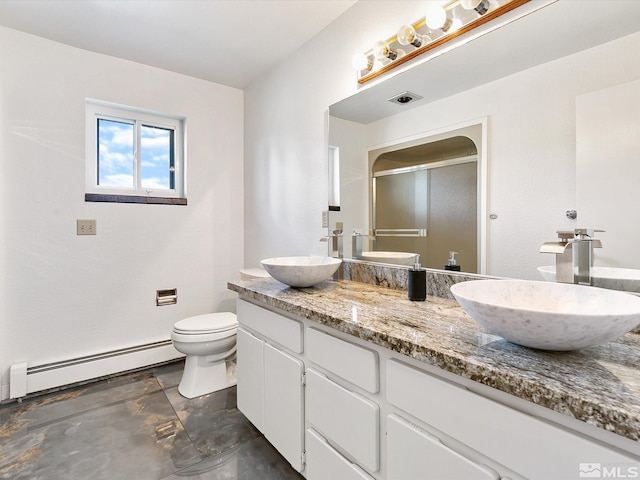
(421, 196)
(427, 202)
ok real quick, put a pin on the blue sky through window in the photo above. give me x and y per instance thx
(156, 157)
(115, 154)
(116, 161)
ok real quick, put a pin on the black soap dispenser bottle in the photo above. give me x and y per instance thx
(417, 282)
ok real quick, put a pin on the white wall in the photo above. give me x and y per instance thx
(531, 142)
(608, 169)
(65, 295)
(286, 166)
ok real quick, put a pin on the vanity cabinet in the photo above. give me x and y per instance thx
(337, 406)
(270, 386)
(529, 446)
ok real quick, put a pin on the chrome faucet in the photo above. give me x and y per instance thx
(334, 241)
(583, 245)
(574, 255)
(356, 244)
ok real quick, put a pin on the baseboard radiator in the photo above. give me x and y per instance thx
(24, 379)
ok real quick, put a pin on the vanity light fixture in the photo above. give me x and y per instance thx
(439, 25)
(436, 18)
(381, 50)
(407, 35)
(456, 24)
(361, 62)
(480, 6)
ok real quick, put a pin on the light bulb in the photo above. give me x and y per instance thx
(480, 6)
(469, 4)
(436, 17)
(456, 24)
(361, 62)
(407, 36)
(381, 50)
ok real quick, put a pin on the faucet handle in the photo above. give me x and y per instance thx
(565, 235)
(586, 232)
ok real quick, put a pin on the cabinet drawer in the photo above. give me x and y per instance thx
(413, 453)
(324, 462)
(528, 445)
(346, 419)
(282, 330)
(353, 363)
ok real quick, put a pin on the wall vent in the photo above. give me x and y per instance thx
(405, 97)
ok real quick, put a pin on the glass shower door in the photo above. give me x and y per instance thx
(441, 199)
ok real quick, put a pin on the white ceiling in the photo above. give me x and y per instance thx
(231, 42)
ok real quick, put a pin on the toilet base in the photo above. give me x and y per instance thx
(201, 376)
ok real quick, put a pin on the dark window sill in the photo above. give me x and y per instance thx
(99, 197)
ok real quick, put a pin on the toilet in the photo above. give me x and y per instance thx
(208, 341)
(251, 273)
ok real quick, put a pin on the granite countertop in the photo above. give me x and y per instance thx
(598, 385)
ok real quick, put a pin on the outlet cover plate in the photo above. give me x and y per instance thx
(86, 227)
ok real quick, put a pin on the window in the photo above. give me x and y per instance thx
(133, 155)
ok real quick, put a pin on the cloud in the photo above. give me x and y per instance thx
(118, 180)
(155, 143)
(156, 183)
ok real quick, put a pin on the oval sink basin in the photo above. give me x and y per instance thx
(301, 271)
(548, 316)
(396, 258)
(626, 279)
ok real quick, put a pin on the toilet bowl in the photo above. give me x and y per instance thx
(208, 341)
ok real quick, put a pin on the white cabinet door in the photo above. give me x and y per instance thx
(507, 436)
(325, 463)
(413, 453)
(250, 373)
(283, 404)
(345, 418)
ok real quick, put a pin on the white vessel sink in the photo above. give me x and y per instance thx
(626, 279)
(301, 271)
(396, 258)
(549, 316)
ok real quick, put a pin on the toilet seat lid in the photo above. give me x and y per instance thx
(207, 323)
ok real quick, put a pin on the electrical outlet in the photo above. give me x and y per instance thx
(325, 219)
(86, 227)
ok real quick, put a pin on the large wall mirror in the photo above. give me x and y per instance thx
(525, 178)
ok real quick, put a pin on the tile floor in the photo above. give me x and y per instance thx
(134, 427)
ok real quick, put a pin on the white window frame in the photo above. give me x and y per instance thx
(97, 109)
